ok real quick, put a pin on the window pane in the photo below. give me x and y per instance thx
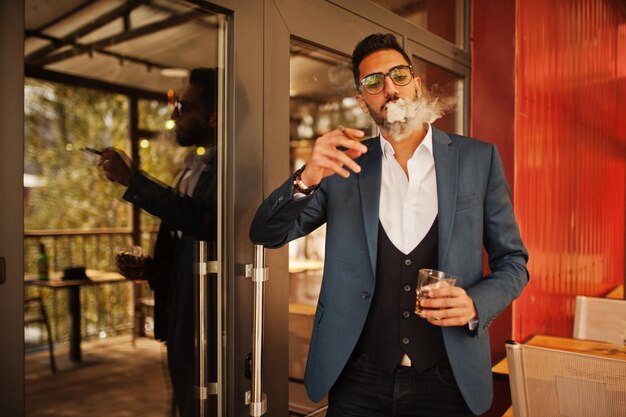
(60, 180)
(449, 87)
(444, 18)
(101, 75)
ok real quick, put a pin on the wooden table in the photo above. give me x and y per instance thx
(616, 293)
(73, 286)
(589, 347)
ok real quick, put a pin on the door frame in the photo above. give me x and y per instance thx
(12, 218)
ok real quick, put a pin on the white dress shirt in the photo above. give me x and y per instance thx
(408, 205)
(195, 165)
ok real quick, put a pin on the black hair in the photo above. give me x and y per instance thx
(370, 44)
(206, 79)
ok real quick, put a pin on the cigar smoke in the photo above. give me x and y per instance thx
(405, 115)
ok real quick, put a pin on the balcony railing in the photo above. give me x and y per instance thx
(106, 309)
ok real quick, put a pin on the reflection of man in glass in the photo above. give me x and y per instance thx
(188, 213)
(416, 198)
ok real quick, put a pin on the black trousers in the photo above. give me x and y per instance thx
(363, 389)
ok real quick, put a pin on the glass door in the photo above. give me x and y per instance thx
(145, 78)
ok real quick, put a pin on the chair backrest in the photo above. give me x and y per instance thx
(554, 383)
(33, 310)
(600, 319)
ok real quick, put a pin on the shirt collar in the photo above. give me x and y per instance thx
(427, 143)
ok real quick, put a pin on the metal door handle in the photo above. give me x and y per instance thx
(256, 398)
(3, 270)
(203, 386)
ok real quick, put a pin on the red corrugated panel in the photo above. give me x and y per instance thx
(569, 156)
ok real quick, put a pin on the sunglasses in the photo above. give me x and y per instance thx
(401, 75)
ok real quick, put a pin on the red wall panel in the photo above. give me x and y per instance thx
(492, 117)
(569, 156)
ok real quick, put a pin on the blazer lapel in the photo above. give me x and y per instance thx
(369, 188)
(446, 156)
(209, 173)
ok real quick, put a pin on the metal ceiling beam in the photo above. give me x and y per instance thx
(116, 39)
(64, 16)
(121, 57)
(92, 25)
(77, 81)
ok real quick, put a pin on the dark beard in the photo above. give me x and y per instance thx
(377, 116)
(379, 119)
(182, 140)
(195, 136)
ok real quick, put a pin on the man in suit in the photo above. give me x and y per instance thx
(416, 198)
(188, 213)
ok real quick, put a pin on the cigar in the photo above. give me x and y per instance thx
(345, 132)
(91, 150)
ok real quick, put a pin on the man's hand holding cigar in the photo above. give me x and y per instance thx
(116, 166)
(333, 153)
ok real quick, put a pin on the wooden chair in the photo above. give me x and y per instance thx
(140, 305)
(553, 383)
(600, 319)
(35, 313)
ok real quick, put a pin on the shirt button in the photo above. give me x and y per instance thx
(366, 295)
(407, 262)
(405, 340)
(406, 288)
(406, 314)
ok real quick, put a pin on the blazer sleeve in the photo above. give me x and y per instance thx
(507, 254)
(193, 216)
(282, 218)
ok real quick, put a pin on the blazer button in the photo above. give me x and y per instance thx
(407, 262)
(406, 288)
(406, 314)
(366, 295)
(405, 340)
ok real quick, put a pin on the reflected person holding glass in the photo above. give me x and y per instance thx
(413, 197)
(188, 213)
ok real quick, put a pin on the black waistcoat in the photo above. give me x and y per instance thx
(392, 328)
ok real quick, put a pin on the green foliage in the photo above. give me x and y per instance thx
(59, 120)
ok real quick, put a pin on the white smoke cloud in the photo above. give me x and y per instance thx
(404, 115)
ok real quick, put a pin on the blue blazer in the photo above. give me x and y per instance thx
(474, 211)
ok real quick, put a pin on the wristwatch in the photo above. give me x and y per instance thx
(300, 186)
